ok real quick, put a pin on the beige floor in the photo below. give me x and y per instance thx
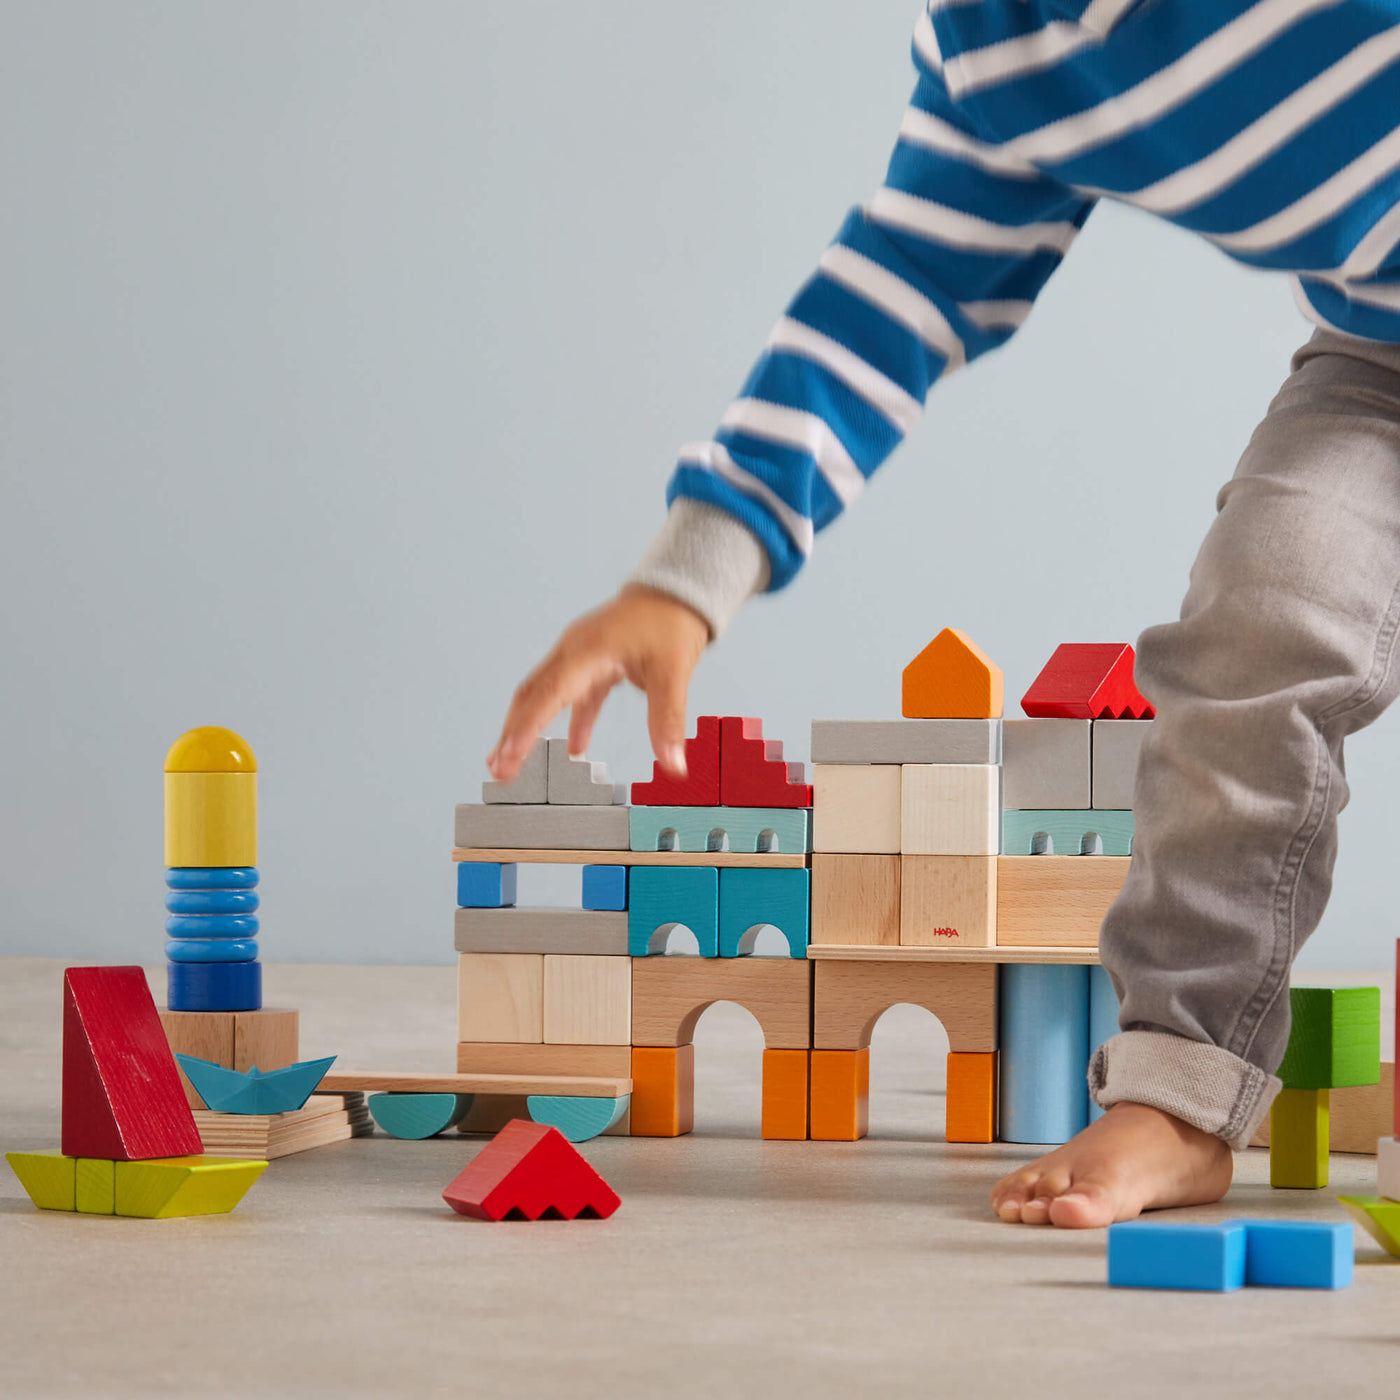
(734, 1267)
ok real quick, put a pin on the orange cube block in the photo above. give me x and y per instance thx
(785, 1074)
(972, 1097)
(840, 1095)
(663, 1090)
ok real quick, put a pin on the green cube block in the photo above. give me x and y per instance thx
(1336, 1038)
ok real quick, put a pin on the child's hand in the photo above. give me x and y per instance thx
(642, 635)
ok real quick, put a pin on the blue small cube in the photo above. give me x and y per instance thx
(1298, 1253)
(1205, 1258)
(605, 887)
(483, 884)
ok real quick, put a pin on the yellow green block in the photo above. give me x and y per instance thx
(170, 1186)
(1299, 1137)
(49, 1179)
(1378, 1216)
(95, 1192)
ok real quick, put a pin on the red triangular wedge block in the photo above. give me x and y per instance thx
(751, 768)
(122, 1099)
(701, 786)
(1087, 680)
(529, 1171)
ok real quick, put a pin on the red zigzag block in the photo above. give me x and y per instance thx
(530, 1171)
(751, 769)
(701, 786)
(122, 1099)
(1087, 680)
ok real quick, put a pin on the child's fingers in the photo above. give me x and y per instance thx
(585, 715)
(666, 693)
(538, 698)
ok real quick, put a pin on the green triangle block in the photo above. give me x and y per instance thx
(1336, 1038)
(49, 1178)
(164, 1187)
(1379, 1216)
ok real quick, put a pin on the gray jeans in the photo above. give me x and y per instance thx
(1283, 648)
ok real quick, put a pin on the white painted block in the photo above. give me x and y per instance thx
(1045, 764)
(1117, 743)
(950, 809)
(855, 808)
(1388, 1168)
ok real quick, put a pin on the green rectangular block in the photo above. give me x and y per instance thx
(1336, 1038)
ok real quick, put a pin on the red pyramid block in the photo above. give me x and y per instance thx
(701, 787)
(751, 769)
(122, 1099)
(530, 1171)
(1087, 680)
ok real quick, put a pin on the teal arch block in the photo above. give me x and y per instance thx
(1067, 832)
(1103, 1019)
(418, 1115)
(661, 896)
(578, 1119)
(749, 898)
(750, 830)
(1043, 1033)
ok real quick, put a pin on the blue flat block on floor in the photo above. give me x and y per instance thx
(1107, 833)
(1202, 1258)
(484, 884)
(1298, 1253)
(1044, 1040)
(605, 887)
(749, 899)
(1103, 1019)
(577, 1118)
(213, 986)
(661, 896)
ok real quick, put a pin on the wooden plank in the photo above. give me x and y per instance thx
(856, 808)
(855, 899)
(670, 993)
(608, 1061)
(1056, 900)
(587, 1000)
(388, 1081)
(948, 901)
(850, 997)
(523, 855)
(950, 809)
(829, 952)
(500, 997)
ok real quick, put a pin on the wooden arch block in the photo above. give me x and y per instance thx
(952, 678)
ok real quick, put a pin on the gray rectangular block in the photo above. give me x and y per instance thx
(542, 827)
(906, 741)
(1117, 743)
(592, 931)
(580, 782)
(531, 784)
(1045, 763)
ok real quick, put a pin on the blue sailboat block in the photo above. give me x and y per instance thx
(234, 1091)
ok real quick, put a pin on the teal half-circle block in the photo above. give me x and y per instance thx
(1069, 833)
(577, 1118)
(418, 1115)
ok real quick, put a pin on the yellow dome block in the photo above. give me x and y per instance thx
(210, 749)
(211, 819)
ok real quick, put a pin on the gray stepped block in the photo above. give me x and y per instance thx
(593, 931)
(744, 828)
(580, 782)
(531, 784)
(906, 741)
(542, 827)
(1117, 743)
(1045, 764)
(1066, 832)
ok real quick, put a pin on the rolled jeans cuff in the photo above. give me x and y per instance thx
(1201, 1084)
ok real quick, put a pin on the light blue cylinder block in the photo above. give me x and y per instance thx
(1044, 1039)
(212, 926)
(208, 950)
(218, 877)
(204, 902)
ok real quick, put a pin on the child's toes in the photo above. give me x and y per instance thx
(1011, 1193)
(1085, 1206)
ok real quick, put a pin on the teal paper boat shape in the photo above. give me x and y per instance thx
(233, 1091)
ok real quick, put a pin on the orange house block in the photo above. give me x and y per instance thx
(840, 1095)
(952, 678)
(785, 1075)
(663, 1090)
(972, 1097)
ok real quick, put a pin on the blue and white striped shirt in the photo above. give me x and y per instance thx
(1270, 127)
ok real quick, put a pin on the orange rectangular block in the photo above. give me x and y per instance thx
(972, 1097)
(663, 1090)
(785, 1074)
(840, 1095)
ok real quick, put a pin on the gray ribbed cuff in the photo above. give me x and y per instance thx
(1201, 1084)
(707, 559)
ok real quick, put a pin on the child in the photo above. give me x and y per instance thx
(1268, 126)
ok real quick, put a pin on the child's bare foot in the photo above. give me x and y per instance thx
(1133, 1159)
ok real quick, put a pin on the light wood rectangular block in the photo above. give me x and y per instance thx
(948, 901)
(851, 996)
(587, 1000)
(670, 993)
(856, 808)
(950, 809)
(855, 899)
(237, 1040)
(390, 1081)
(1056, 901)
(207, 1035)
(855, 953)
(269, 1039)
(475, 1057)
(500, 997)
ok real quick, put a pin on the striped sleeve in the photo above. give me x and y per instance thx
(941, 265)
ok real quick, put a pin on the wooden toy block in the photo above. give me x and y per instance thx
(662, 899)
(605, 887)
(596, 931)
(1298, 1140)
(1357, 1118)
(388, 1081)
(326, 1118)
(181, 1186)
(950, 809)
(1044, 1053)
(486, 884)
(856, 808)
(1117, 745)
(700, 786)
(500, 997)
(1298, 1253)
(952, 678)
(1056, 901)
(1335, 1039)
(752, 772)
(490, 1113)
(1103, 1019)
(852, 952)
(1201, 1258)
(747, 829)
(530, 784)
(896, 741)
(851, 996)
(587, 1000)
(663, 1090)
(972, 1098)
(1059, 833)
(1379, 1217)
(213, 986)
(268, 1038)
(530, 1171)
(948, 901)
(1045, 763)
(840, 1110)
(211, 800)
(670, 994)
(95, 1191)
(580, 782)
(785, 1075)
(1388, 1167)
(122, 1096)
(474, 1057)
(207, 1035)
(541, 827)
(1087, 680)
(577, 1119)
(418, 1116)
(796, 860)
(856, 899)
(49, 1179)
(237, 1040)
(751, 899)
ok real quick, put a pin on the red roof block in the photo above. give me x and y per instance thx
(752, 772)
(701, 786)
(530, 1171)
(1087, 680)
(122, 1099)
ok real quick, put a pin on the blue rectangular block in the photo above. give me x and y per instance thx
(1298, 1253)
(483, 884)
(605, 887)
(1204, 1258)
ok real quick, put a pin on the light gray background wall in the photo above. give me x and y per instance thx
(344, 349)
